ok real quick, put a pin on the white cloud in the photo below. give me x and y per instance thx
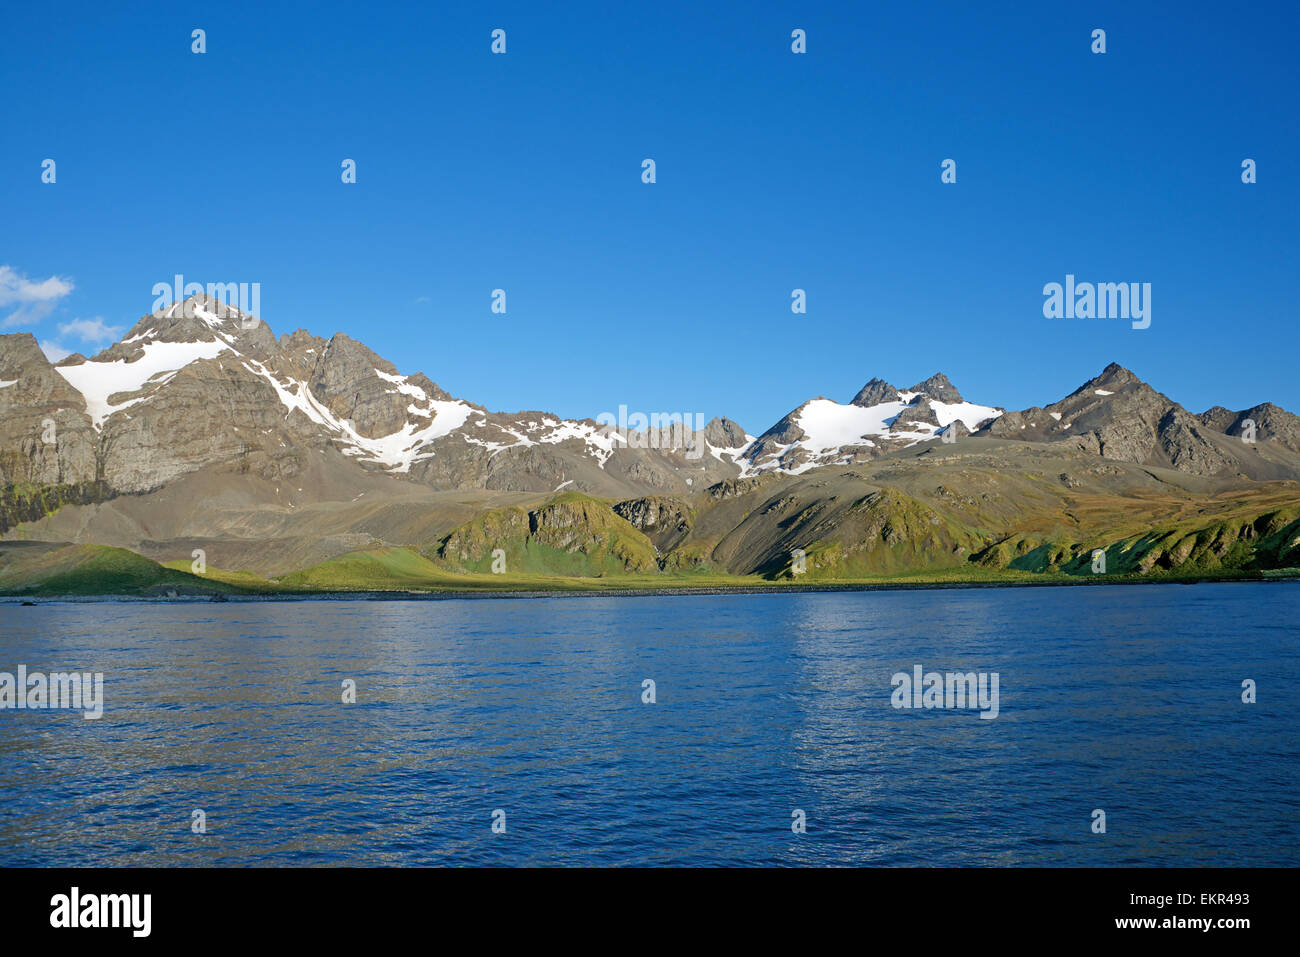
(53, 351)
(93, 330)
(35, 299)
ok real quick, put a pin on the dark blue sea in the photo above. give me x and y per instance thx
(1125, 699)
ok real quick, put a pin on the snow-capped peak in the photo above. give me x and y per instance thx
(825, 432)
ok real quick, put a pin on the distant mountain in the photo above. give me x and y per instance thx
(878, 420)
(1271, 423)
(201, 430)
(200, 385)
(1118, 416)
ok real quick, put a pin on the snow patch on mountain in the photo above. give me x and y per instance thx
(403, 386)
(96, 381)
(829, 426)
(396, 451)
(599, 442)
(400, 449)
(826, 432)
(968, 413)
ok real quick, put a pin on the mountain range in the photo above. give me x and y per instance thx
(299, 462)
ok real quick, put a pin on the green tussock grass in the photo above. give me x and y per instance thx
(574, 543)
(242, 580)
(94, 570)
(405, 569)
(379, 569)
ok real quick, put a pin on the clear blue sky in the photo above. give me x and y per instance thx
(775, 171)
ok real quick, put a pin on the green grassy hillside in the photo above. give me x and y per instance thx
(849, 530)
(93, 570)
(572, 535)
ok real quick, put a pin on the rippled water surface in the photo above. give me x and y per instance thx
(1126, 699)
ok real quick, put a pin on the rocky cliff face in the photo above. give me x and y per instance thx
(46, 437)
(665, 520)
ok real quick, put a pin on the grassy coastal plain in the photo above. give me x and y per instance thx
(93, 571)
(831, 532)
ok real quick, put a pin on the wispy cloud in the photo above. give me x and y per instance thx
(34, 299)
(93, 331)
(53, 351)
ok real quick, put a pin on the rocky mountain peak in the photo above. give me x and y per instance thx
(210, 312)
(300, 340)
(19, 352)
(1118, 416)
(722, 433)
(1115, 375)
(1269, 422)
(198, 319)
(938, 387)
(875, 392)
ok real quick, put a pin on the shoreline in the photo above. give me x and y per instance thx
(631, 592)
